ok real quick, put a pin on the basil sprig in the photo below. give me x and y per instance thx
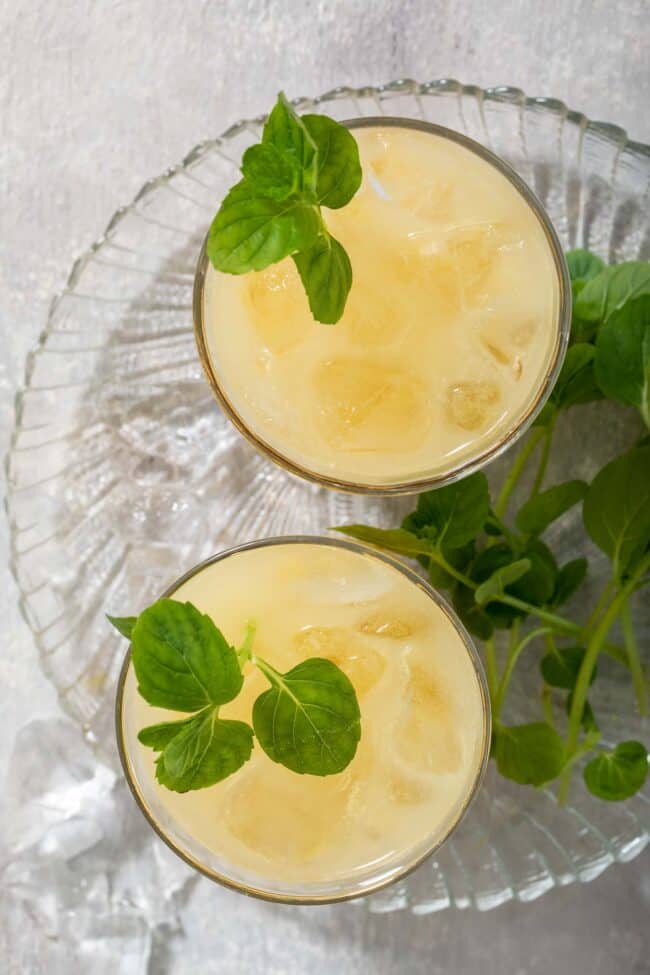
(302, 164)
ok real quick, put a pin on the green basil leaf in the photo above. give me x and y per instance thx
(618, 774)
(157, 736)
(577, 381)
(453, 515)
(182, 661)
(204, 752)
(495, 586)
(338, 170)
(616, 509)
(611, 289)
(568, 580)
(271, 173)
(622, 363)
(309, 719)
(123, 624)
(326, 274)
(583, 265)
(530, 754)
(394, 539)
(286, 131)
(561, 669)
(536, 515)
(250, 232)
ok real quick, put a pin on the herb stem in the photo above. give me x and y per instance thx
(517, 470)
(439, 558)
(600, 603)
(557, 622)
(544, 458)
(516, 647)
(636, 668)
(594, 646)
(245, 652)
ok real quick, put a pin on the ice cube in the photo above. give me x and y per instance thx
(471, 403)
(506, 340)
(367, 405)
(425, 736)
(363, 665)
(283, 816)
(387, 624)
(280, 314)
(407, 789)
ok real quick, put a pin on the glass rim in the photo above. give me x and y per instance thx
(349, 892)
(490, 452)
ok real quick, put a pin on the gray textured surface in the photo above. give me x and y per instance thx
(95, 97)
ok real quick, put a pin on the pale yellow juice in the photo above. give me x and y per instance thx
(449, 333)
(424, 725)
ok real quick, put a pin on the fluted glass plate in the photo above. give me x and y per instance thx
(123, 472)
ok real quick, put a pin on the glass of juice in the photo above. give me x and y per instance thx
(425, 725)
(452, 337)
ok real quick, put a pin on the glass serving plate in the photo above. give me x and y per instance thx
(123, 472)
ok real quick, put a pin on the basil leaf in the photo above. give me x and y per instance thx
(326, 274)
(561, 669)
(616, 509)
(309, 719)
(182, 661)
(394, 539)
(568, 580)
(338, 170)
(453, 515)
(272, 173)
(204, 752)
(286, 131)
(530, 754)
(611, 289)
(537, 514)
(123, 624)
(494, 587)
(618, 774)
(157, 736)
(250, 232)
(583, 265)
(622, 363)
(577, 381)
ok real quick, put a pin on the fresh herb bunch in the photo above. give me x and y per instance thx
(308, 720)
(501, 575)
(303, 163)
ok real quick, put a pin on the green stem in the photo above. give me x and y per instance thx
(245, 652)
(440, 560)
(517, 470)
(514, 653)
(594, 646)
(543, 460)
(491, 669)
(636, 669)
(600, 603)
(557, 622)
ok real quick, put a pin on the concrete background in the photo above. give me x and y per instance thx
(98, 95)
